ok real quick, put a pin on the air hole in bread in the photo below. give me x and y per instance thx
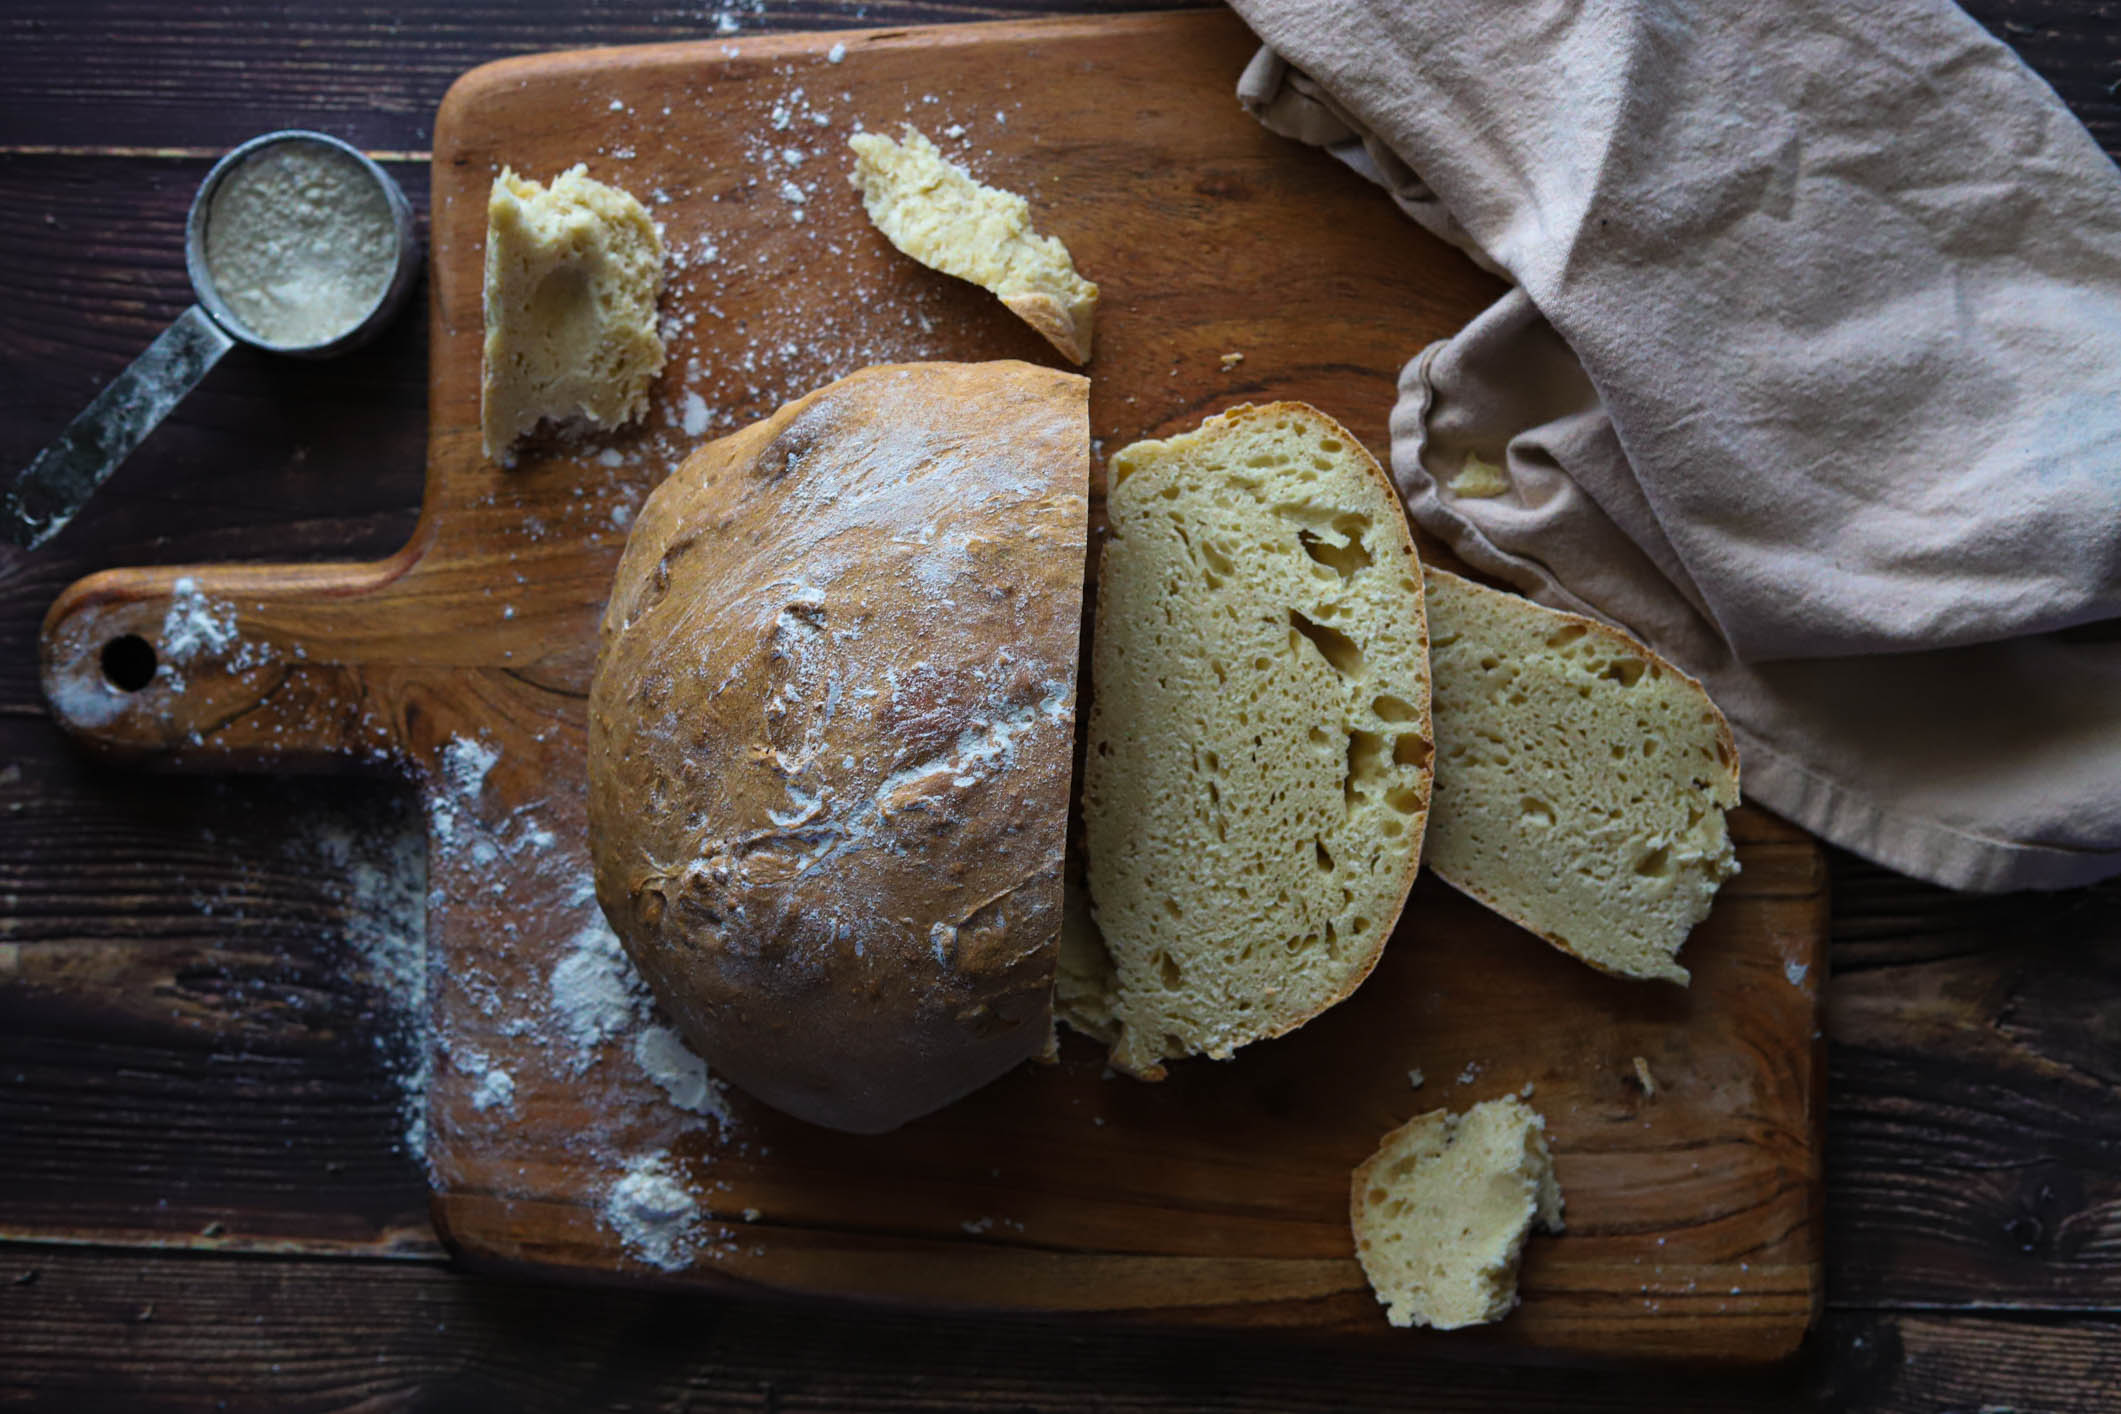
(1325, 856)
(1565, 635)
(1406, 802)
(1391, 709)
(1343, 560)
(1173, 975)
(1656, 864)
(1410, 749)
(1217, 560)
(1335, 647)
(1171, 907)
(1626, 671)
(1365, 763)
(1534, 811)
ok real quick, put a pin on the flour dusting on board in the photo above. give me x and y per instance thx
(775, 285)
(595, 991)
(545, 1002)
(654, 1212)
(670, 1063)
(195, 623)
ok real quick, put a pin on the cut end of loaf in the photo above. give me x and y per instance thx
(1257, 779)
(1581, 780)
(1441, 1212)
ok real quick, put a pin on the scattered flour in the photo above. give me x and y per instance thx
(662, 1052)
(465, 765)
(1415, 1078)
(653, 1212)
(467, 762)
(695, 414)
(195, 623)
(379, 875)
(1470, 1074)
(493, 1088)
(595, 992)
(1796, 971)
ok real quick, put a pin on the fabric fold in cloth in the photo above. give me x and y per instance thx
(1811, 378)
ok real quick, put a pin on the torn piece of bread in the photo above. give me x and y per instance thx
(1442, 1209)
(1581, 780)
(934, 211)
(1257, 772)
(573, 272)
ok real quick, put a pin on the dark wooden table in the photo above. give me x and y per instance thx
(205, 1198)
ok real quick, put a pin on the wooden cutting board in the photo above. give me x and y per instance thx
(1219, 1196)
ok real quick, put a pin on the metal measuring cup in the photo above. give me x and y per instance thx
(54, 486)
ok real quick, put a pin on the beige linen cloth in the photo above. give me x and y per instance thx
(1810, 377)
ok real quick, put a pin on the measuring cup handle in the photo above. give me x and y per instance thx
(54, 486)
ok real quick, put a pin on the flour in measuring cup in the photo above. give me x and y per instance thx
(300, 243)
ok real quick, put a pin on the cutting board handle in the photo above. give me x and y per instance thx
(227, 665)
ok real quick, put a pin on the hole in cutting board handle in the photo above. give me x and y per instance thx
(128, 662)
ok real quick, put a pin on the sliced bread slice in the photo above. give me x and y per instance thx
(933, 210)
(1442, 1209)
(1581, 780)
(1257, 774)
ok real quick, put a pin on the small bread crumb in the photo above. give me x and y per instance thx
(1643, 1077)
(1478, 479)
(1231, 360)
(1415, 1077)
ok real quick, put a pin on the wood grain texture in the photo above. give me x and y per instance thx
(1977, 1057)
(1218, 1197)
(162, 1332)
(134, 73)
(199, 1039)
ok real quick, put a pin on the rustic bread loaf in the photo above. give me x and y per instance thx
(1581, 780)
(573, 272)
(1257, 775)
(934, 211)
(830, 735)
(1442, 1209)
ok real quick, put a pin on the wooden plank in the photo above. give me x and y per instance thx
(89, 1330)
(203, 1036)
(1977, 1072)
(294, 1336)
(133, 74)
